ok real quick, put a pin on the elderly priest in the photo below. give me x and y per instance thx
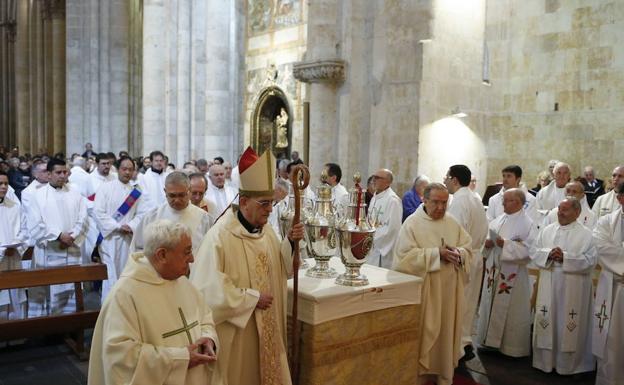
(154, 327)
(242, 269)
(432, 245)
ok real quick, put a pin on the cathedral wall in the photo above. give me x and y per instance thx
(275, 38)
(557, 72)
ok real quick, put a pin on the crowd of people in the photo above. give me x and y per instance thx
(154, 225)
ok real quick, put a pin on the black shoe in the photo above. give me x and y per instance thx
(468, 353)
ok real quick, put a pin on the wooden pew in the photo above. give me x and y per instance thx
(55, 323)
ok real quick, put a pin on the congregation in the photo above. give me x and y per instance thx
(522, 271)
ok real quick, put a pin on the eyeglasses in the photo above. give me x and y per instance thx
(265, 204)
(177, 195)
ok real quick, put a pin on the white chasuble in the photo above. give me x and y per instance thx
(604, 204)
(547, 199)
(608, 328)
(386, 211)
(232, 267)
(563, 316)
(504, 313)
(144, 328)
(417, 253)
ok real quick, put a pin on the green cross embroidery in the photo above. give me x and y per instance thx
(184, 329)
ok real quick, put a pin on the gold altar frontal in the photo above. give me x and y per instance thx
(375, 347)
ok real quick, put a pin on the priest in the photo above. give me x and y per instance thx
(511, 176)
(340, 195)
(549, 197)
(504, 313)
(386, 211)
(219, 194)
(608, 328)
(608, 203)
(565, 254)
(12, 247)
(241, 269)
(433, 246)
(153, 181)
(587, 217)
(57, 223)
(154, 327)
(177, 208)
(119, 208)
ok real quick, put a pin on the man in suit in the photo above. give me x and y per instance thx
(593, 187)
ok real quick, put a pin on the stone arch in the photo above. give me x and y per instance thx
(264, 133)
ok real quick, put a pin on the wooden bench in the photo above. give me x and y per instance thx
(55, 323)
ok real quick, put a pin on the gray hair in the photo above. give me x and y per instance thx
(79, 161)
(163, 233)
(177, 178)
(283, 164)
(213, 168)
(433, 186)
(518, 193)
(561, 165)
(421, 179)
(576, 204)
(282, 184)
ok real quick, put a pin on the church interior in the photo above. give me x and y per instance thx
(412, 86)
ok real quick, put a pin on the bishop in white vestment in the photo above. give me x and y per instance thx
(608, 327)
(12, 247)
(119, 208)
(155, 327)
(57, 223)
(386, 211)
(565, 254)
(505, 311)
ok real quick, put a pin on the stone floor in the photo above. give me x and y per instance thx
(48, 361)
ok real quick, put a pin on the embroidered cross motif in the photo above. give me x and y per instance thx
(572, 314)
(544, 310)
(184, 329)
(544, 323)
(571, 326)
(602, 316)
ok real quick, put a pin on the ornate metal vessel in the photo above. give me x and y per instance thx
(355, 237)
(321, 232)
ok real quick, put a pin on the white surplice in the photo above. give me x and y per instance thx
(12, 233)
(563, 311)
(196, 219)
(144, 328)
(495, 204)
(221, 197)
(27, 196)
(587, 217)
(340, 196)
(82, 181)
(605, 204)
(547, 199)
(608, 328)
(386, 211)
(505, 311)
(115, 245)
(469, 212)
(55, 211)
(153, 184)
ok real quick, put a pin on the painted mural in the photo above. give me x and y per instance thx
(270, 15)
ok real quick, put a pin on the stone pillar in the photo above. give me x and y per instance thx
(324, 71)
(8, 31)
(56, 119)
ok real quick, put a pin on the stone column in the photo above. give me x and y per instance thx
(56, 17)
(325, 72)
(8, 30)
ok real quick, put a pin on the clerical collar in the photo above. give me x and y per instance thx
(157, 171)
(248, 226)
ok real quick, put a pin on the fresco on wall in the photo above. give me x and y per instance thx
(280, 76)
(270, 15)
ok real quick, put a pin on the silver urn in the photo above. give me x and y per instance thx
(355, 237)
(321, 233)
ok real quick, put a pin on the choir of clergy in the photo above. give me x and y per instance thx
(468, 211)
(157, 326)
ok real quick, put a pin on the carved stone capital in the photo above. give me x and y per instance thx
(52, 9)
(317, 71)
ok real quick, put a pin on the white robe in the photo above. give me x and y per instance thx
(468, 211)
(495, 205)
(220, 197)
(340, 197)
(386, 210)
(97, 179)
(12, 232)
(196, 219)
(563, 316)
(505, 311)
(153, 185)
(115, 245)
(135, 339)
(82, 181)
(587, 217)
(604, 204)
(54, 211)
(608, 332)
(547, 199)
(27, 196)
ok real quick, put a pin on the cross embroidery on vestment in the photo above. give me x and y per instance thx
(184, 329)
